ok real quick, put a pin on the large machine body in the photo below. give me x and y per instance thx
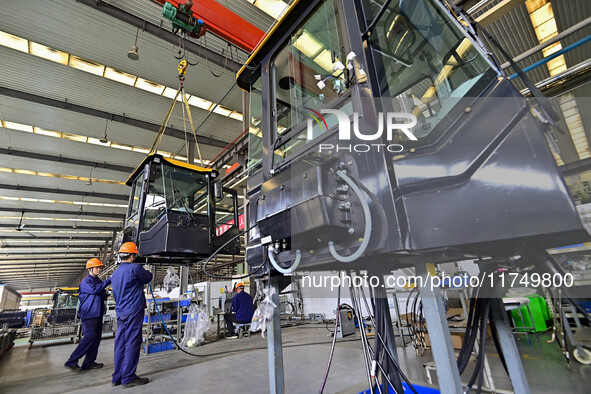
(174, 211)
(383, 135)
(336, 103)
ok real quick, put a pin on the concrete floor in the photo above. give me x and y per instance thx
(241, 366)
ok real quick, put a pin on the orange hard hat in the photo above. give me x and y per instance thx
(128, 247)
(94, 262)
(239, 284)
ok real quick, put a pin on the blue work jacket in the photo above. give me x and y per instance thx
(243, 306)
(128, 282)
(92, 297)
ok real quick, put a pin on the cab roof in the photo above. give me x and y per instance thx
(250, 68)
(177, 163)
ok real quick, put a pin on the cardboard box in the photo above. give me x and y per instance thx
(456, 340)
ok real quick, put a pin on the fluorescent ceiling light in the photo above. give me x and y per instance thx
(86, 65)
(541, 15)
(544, 23)
(572, 118)
(324, 60)
(551, 49)
(200, 103)
(170, 93)
(121, 146)
(39, 130)
(24, 172)
(79, 138)
(140, 150)
(273, 8)
(49, 53)
(546, 30)
(94, 68)
(149, 86)
(237, 116)
(96, 141)
(18, 126)
(308, 45)
(120, 76)
(74, 137)
(14, 42)
(221, 110)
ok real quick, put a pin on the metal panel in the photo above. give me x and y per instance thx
(107, 95)
(80, 30)
(516, 34)
(568, 13)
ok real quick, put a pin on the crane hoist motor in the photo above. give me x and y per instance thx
(183, 19)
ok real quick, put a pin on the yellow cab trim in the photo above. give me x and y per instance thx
(266, 38)
(174, 162)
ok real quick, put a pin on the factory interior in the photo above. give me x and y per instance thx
(295, 196)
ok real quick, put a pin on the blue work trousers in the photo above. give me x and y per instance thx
(128, 341)
(91, 339)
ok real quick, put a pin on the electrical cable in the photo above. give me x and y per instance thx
(367, 231)
(363, 342)
(334, 339)
(207, 59)
(386, 348)
(385, 331)
(222, 247)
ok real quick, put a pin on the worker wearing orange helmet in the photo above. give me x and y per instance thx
(242, 310)
(91, 310)
(128, 290)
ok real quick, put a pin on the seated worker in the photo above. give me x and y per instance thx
(91, 311)
(242, 308)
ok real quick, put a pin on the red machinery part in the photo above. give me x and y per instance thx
(224, 23)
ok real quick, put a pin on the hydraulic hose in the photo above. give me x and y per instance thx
(285, 271)
(367, 232)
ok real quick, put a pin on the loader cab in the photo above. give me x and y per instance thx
(175, 209)
(384, 128)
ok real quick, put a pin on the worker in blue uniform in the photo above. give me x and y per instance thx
(242, 310)
(91, 310)
(128, 282)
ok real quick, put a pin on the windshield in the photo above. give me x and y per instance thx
(173, 189)
(424, 62)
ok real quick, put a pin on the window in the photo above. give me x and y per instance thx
(424, 63)
(155, 201)
(308, 74)
(135, 196)
(255, 136)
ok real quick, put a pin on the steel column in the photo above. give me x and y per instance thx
(109, 215)
(204, 140)
(107, 196)
(446, 365)
(509, 348)
(61, 159)
(274, 346)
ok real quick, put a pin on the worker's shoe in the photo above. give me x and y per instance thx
(232, 337)
(74, 367)
(137, 382)
(94, 366)
(115, 384)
